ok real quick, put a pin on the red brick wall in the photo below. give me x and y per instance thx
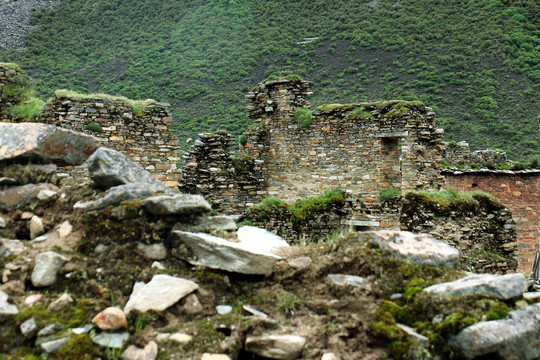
(520, 192)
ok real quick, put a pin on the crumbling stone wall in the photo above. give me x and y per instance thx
(456, 153)
(14, 85)
(231, 183)
(482, 229)
(519, 191)
(142, 134)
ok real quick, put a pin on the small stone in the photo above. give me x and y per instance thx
(192, 305)
(299, 262)
(531, 296)
(83, 330)
(181, 338)
(253, 311)
(65, 229)
(41, 238)
(149, 352)
(347, 280)
(329, 356)
(163, 337)
(156, 251)
(46, 268)
(208, 356)
(48, 330)
(416, 336)
(27, 215)
(224, 309)
(178, 204)
(32, 299)
(160, 293)
(28, 328)
(46, 194)
(6, 309)
(157, 265)
(2, 223)
(112, 318)
(36, 227)
(61, 303)
(111, 340)
(52, 346)
(283, 347)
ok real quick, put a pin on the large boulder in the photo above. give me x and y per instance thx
(248, 256)
(19, 196)
(44, 144)
(514, 338)
(420, 249)
(108, 168)
(160, 293)
(501, 286)
(115, 195)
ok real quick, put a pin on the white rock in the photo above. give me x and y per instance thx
(244, 257)
(46, 194)
(41, 238)
(6, 308)
(65, 229)
(111, 340)
(62, 302)
(149, 352)
(157, 265)
(160, 293)
(416, 336)
(260, 240)
(28, 327)
(36, 227)
(501, 286)
(347, 280)
(32, 299)
(112, 318)
(208, 356)
(52, 346)
(2, 223)
(181, 338)
(282, 347)
(224, 309)
(46, 268)
(421, 249)
(329, 356)
(253, 311)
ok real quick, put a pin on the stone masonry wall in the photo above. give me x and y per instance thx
(485, 234)
(520, 192)
(144, 136)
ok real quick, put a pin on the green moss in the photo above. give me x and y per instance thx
(413, 287)
(137, 106)
(79, 347)
(390, 106)
(498, 311)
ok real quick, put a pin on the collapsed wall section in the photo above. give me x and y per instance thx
(519, 191)
(138, 129)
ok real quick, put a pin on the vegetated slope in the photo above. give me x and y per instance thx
(477, 63)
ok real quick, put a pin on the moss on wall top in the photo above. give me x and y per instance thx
(380, 106)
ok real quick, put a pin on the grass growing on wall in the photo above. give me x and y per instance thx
(29, 109)
(448, 200)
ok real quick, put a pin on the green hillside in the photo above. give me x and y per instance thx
(477, 63)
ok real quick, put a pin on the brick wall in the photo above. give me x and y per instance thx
(520, 192)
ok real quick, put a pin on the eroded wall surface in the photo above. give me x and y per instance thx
(520, 192)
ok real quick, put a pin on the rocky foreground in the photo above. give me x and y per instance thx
(120, 266)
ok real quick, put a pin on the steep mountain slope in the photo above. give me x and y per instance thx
(476, 62)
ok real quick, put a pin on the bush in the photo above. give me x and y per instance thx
(390, 194)
(303, 117)
(242, 140)
(94, 126)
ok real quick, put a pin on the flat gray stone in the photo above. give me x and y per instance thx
(420, 249)
(217, 253)
(513, 338)
(6, 309)
(347, 280)
(416, 336)
(156, 251)
(108, 168)
(54, 345)
(160, 293)
(501, 286)
(44, 144)
(211, 223)
(282, 347)
(109, 340)
(178, 204)
(28, 328)
(46, 268)
(115, 195)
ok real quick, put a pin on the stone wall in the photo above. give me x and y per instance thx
(520, 192)
(459, 153)
(14, 85)
(138, 129)
(481, 228)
